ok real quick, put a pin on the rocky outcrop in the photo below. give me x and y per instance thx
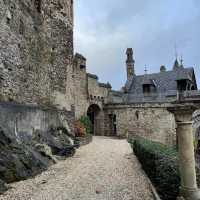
(3, 187)
(30, 156)
(19, 161)
(31, 139)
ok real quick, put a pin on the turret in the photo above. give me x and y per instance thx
(80, 61)
(130, 63)
(162, 68)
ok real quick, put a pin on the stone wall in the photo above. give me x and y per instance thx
(20, 121)
(146, 120)
(36, 51)
(81, 97)
(98, 91)
(87, 89)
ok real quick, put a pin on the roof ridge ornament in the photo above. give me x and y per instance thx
(146, 70)
(176, 64)
(181, 62)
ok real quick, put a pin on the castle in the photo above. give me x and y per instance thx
(44, 84)
(140, 108)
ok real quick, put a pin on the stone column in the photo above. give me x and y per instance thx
(187, 161)
(188, 189)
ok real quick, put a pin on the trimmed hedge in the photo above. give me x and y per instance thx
(160, 163)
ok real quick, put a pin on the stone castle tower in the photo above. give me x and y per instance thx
(37, 45)
(130, 62)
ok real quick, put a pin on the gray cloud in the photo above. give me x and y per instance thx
(104, 29)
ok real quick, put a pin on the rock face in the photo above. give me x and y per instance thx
(31, 139)
(3, 187)
(18, 161)
(21, 160)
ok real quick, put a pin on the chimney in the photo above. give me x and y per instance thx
(130, 62)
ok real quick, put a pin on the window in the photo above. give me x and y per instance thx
(8, 17)
(137, 114)
(82, 66)
(146, 89)
(7, 20)
(193, 88)
(38, 5)
(182, 85)
(21, 27)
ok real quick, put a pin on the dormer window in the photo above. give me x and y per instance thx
(146, 89)
(148, 86)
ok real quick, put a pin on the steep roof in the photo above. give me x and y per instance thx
(164, 81)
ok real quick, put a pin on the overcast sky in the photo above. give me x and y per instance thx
(105, 28)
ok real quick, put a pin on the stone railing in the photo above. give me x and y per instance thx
(196, 131)
(169, 96)
(189, 95)
(196, 116)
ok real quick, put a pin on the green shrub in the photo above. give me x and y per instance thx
(85, 120)
(160, 163)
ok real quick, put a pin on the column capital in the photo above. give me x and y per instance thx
(182, 113)
(176, 109)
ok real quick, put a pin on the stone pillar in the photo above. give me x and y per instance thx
(188, 189)
(187, 161)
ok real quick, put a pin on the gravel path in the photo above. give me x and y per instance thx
(106, 169)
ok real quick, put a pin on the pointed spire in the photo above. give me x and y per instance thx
(176, 64)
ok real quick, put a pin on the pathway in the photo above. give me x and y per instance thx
(106, 169)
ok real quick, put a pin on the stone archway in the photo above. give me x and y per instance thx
(94, 113)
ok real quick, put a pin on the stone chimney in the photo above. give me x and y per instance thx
(130, 62)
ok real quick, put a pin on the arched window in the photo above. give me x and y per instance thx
(137, 114)
(192, 87)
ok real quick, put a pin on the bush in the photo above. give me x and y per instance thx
(85, 120)
(161, 165)
(79, 129)
(83, 126)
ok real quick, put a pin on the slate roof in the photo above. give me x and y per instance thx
(164, 81)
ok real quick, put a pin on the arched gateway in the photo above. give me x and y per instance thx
(96, 116)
